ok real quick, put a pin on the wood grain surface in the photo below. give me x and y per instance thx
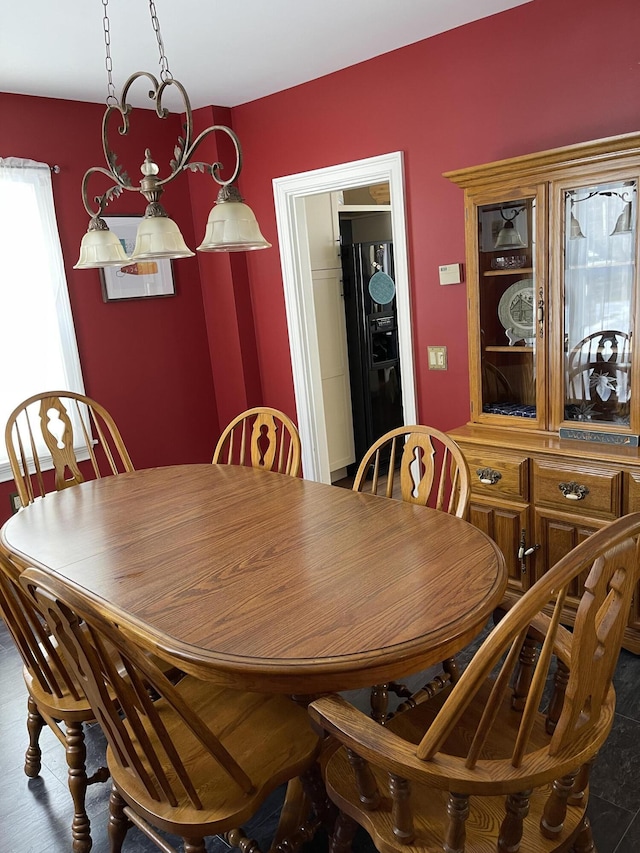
(268, 582)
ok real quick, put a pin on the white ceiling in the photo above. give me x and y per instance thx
(225, 52)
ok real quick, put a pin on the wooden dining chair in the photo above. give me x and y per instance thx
(192, 758)
(417, 464)
(420, 465)
(261, 438)
(68, 428)
(472, 770)
(598, 369)
(54, 697)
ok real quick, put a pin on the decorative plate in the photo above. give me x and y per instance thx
(382, 288)
(516, 311)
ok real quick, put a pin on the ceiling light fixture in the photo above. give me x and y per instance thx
(508, 236)
(231, 227)
(624, 222)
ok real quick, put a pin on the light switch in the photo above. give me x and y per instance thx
(450, 273)
(437, 358)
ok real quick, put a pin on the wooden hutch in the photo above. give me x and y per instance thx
(552, 279)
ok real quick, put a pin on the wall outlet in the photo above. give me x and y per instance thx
(15, 502)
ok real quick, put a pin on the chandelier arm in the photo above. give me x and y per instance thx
(183, 148)
(102, 200)
(214, 168)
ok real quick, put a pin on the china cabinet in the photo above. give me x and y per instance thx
(552, 279)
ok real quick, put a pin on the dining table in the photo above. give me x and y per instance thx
(266, 582)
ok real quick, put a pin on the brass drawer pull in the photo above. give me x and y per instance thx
(573, 491)
(488, 477)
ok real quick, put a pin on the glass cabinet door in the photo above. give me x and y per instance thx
(598, 282)
(508, 311)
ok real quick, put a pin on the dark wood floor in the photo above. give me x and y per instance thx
(35, 818)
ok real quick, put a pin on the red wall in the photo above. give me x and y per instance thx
(542, 75)
(147, 360)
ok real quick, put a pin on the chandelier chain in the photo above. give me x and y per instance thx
(165, 73)
(111, 90)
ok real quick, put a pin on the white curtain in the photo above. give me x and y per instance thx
(599, 276)
(599, 262)
(38, 349)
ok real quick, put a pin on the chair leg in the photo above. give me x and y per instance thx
(380, 703)
(584, 843)
(517, 808)
(576, 797)
(524, 672)
(119, 823)
(76, 754)
(555, 809)
(343, 834)
(235, 838)
(33, 755)
(450, 666)
(316, 793)
(458, 812)
(194, 845)
(560, 681)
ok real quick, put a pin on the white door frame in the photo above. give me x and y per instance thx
(289, 193)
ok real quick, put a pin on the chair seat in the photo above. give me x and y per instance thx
(430, 817)
(63, 707)
(429, 804)
(235, 717)
(412, 724)
(67, 706)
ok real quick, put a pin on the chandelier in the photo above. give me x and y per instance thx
(231, 227)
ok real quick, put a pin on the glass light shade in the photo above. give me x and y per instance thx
(232, 227)
(159, 237)
(101, 248)
(575, 231)
(508, 237)
(623, 223)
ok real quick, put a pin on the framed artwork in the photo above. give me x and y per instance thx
(138, 279)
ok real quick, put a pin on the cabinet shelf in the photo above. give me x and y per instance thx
(508, 349)
(519, 271)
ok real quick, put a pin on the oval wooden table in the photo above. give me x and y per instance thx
(267, 582)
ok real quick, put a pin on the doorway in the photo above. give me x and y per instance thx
(290, 193)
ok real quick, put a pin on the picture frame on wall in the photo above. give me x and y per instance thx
(138, 279)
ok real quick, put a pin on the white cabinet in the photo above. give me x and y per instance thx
(323, 230)
(326, 274)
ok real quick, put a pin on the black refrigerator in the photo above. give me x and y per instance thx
(372, 341)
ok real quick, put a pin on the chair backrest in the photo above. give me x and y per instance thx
(417, 464)
(150, 725)
(69, 427)
(495, 385)
(261, 438)
(39, 654)
(506, 749)
(598, 370)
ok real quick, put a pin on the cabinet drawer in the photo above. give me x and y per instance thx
(498, 473)
(593, 490)
(631, 500)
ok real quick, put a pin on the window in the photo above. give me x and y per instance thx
(38, 349)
